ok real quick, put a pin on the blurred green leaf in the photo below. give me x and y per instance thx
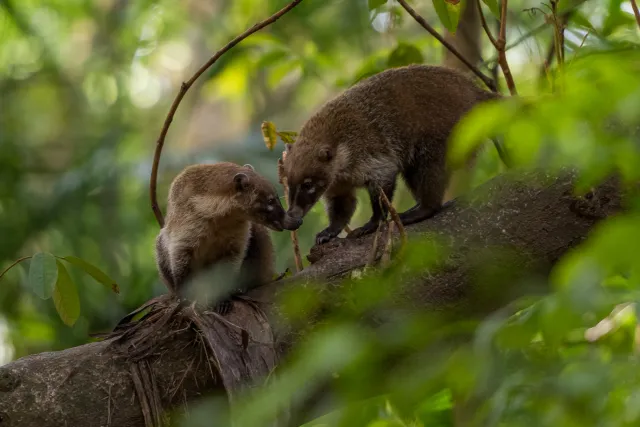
(43, 273)
(581, 20)
(65, 297)
(94, 272)
(374, 4)
(405, 54)
(479, 124)
(493, 7)
(448, 13)
(615, 17)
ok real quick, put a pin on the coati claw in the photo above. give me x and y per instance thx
(325, 235)
(223, 307)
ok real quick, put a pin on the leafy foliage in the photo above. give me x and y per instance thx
(48, 277)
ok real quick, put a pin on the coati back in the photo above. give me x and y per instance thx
(395, 122)
(216, 214)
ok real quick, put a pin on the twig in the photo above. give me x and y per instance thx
(420, 20)
(386, 254)
(501, 47)
(14, 264)
(374, 249)
(493, 41)
(294, 234)
(636, 12)
(575, 52)
(183, 90)
(394, 216)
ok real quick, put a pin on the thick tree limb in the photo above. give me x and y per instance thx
(90, 386)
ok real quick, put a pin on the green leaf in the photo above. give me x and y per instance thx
(94, 272)
(43, 273)
(405, 54)
(449, 14)
(582, 21)
(269, 134)
(65, 297)
(374, 4)
(493, 7)
(479, 124)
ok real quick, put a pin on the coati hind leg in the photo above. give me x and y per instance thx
(379, 210)
(427, 182)
(340, 208)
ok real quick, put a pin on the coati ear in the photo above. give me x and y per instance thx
(288, 147)
(249, 166)
(325, 154)
(241, 181)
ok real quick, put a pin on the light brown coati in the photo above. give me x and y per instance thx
(216, 214)
(395, 122)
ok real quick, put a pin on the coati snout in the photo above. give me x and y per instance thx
(306, 188)
(260, 200)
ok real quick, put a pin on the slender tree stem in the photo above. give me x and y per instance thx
(420, 20)
(636, 12)
(294, 234)
(485, 26)
(394, 216)
(14, 264)
(502, 54)
(183, 90)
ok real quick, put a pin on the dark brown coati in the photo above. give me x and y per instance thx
(395, 122)
(216, 214)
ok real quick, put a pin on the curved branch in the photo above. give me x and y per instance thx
(420, 20)
(183, 90)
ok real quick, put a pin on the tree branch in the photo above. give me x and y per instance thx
(502, 53)
(636, 12)
(485, 26)
(535, 217)
(183, 90)
(420, 20)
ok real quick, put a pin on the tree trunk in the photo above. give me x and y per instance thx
(99, 384)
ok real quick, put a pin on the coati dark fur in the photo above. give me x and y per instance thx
(395, 122)
(217, 214)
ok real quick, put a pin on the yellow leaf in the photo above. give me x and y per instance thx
(287, 136)
(269, 134)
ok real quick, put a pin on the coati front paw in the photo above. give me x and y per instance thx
(223, 307)
(368, 228)
(325, 235)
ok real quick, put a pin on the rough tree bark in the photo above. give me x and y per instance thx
(535, 216)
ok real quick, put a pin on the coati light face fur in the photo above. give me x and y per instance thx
(226, 190)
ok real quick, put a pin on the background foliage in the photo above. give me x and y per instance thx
(85, 86)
